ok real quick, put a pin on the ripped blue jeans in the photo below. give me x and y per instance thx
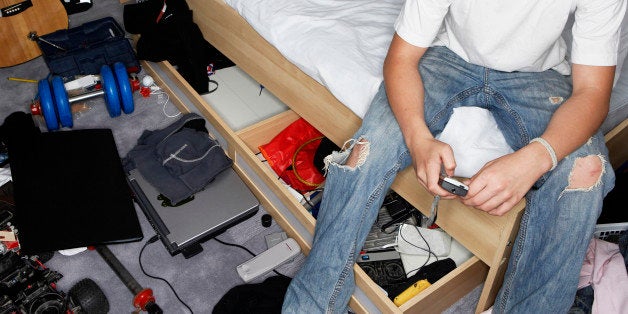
(556, 226)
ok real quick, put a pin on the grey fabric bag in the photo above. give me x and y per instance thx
(178, 160)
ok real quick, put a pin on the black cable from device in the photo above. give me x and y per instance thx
(153, 240)
(215, 86)
(305, 198)
(247, 250)
(429, 250)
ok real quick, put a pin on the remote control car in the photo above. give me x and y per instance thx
(28, 286)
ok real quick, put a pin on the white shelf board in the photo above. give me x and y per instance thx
(240, 100)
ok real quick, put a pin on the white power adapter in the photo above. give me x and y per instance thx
(415, 240)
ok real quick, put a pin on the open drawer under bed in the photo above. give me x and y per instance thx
(299, 223)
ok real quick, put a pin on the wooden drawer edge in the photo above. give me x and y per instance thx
(374, 291)
(270, 179)
(616, 140)
(262, 132)
(449, 289)
(460, 221)
(436, 298)
(270, 207)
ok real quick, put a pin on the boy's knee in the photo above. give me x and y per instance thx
(586, 172)
(352, 155)
(358, 154)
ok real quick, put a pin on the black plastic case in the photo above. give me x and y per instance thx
(87, 48)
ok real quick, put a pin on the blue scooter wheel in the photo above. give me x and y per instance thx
(62, 102)
(124, 87)
(47, 105)
(112, 100)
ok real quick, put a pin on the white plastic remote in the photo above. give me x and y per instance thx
(268, 260)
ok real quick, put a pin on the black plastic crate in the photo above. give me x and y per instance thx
(87, 48)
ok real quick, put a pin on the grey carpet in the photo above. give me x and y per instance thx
(201, 280)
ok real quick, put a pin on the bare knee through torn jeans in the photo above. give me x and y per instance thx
(556, 226)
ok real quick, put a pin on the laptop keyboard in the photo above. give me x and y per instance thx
(378, 240)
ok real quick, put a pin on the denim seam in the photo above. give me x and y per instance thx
(515, 255)
(350, 260)
(525, 137)
(457, 98)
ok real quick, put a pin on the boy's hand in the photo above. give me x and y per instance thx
(503, 182)
(429, 157)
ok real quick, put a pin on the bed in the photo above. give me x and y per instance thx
(337, 115)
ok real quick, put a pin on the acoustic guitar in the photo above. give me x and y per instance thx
(19, 19)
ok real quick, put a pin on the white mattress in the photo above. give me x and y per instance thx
(342, 43)
(339, 43)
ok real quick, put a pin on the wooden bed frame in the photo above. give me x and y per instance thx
(489, 238)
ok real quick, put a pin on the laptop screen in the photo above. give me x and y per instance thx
(70, 191)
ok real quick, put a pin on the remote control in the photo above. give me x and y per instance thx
(268, 260)
(411, 292)
(453, 186)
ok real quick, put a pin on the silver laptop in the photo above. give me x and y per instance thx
(225, 202)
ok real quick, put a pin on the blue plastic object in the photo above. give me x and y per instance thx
(62, 101)
(47, 105)
(112, 99)
(124, 87)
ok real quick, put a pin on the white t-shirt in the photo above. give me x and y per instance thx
(516, 35)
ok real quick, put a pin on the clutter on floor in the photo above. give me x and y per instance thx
(173, 36)
(183, 181)
(83, 96)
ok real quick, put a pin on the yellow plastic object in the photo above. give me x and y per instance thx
(411, 292)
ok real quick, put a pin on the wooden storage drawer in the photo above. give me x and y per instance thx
(291, 215)
(436, 298)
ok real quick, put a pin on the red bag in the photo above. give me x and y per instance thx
(291, 155)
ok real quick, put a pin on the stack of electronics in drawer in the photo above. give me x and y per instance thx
(403, 257)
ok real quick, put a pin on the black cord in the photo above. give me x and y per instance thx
(215, 86)
(307, 201)
(244, 248)
(153, 240)
(233, 244)
(429, 250)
